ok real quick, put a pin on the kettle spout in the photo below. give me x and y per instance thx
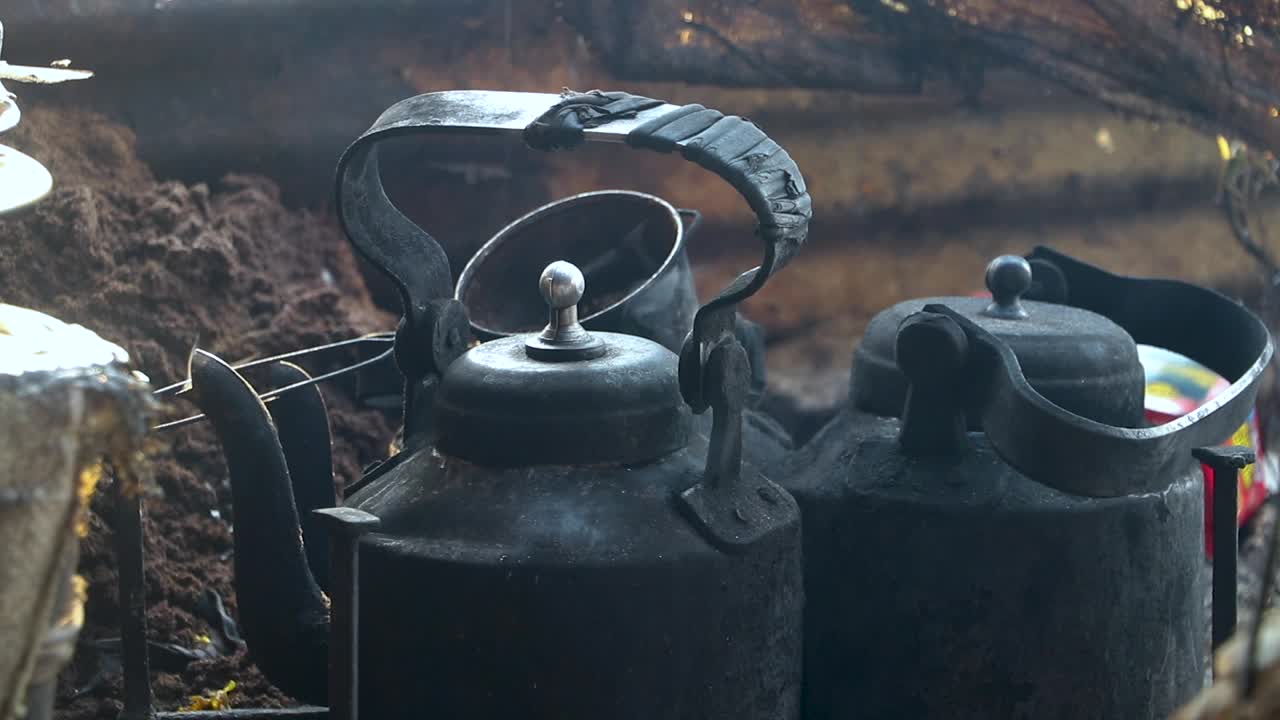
(302, 424)
(284, 617)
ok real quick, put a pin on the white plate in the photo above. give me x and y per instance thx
(23, 180)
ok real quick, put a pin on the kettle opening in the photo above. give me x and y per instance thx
(623, 241)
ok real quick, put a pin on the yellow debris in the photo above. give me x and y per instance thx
(217, 701)
(74, 616)
(90, 476)
(1104, 140)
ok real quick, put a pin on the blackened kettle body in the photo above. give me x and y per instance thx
(554, 540)
(990, 531)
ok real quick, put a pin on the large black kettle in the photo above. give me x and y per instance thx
(554, 540)
(990, 530)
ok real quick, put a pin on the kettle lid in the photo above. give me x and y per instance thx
(564, 396)
(1079, 360)
(584, 229)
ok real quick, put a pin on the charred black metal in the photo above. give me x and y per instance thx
(346, 526)
(561, 126)
(734, 511)
(302, 424)
(1226, 464)
(131, 588)
(628, 409)
(287, 635)
(935, 579)
(931, 352)
(1074, 358)
(301, 437)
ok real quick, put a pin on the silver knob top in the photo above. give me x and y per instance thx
(1008, 278)
(562, 287)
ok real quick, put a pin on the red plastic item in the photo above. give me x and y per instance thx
(1176, 386)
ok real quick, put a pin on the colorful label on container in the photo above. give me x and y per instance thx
(1175, 386)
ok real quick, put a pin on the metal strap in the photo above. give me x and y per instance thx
(1078, 455)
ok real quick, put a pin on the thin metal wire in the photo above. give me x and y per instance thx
(382, 337)
(273, 394)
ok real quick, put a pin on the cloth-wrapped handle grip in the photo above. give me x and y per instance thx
(732, 147)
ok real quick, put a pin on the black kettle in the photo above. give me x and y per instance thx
(991, 531)
(554, 541)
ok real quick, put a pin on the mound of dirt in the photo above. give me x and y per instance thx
(159, 267)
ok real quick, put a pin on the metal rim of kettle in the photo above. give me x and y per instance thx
(473, 266)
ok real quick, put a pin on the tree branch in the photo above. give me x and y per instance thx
(1214, 66)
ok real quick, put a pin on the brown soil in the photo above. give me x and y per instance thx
(159, 267)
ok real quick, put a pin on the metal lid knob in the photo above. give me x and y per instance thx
(564, 338)
(1008, 278)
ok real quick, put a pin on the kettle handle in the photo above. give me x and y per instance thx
(714, 370)
(1075, 454)
(1193, 321)
(729, 146)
